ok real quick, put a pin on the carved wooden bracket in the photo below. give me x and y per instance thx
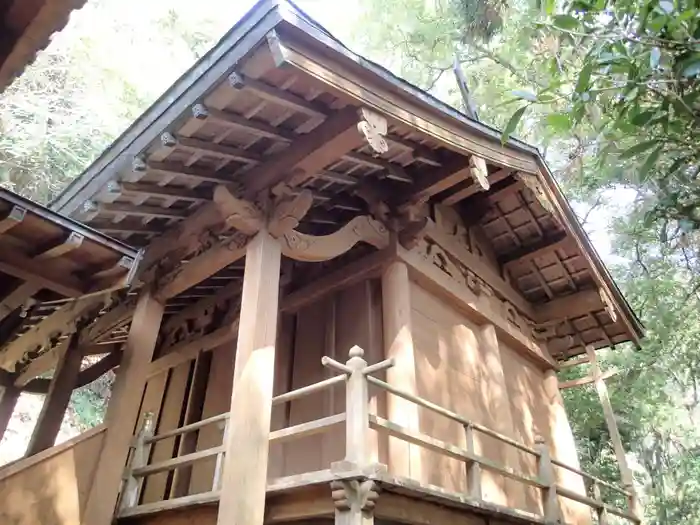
(310, 248)
(238, 213)
(354, 495)
(288, 212)
(479, 171)
(373, 126)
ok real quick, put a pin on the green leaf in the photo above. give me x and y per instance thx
(512, 123)
(558, 121)
(584, 78)
(526, 95)
(649, 163)
(640, 119)
(691, 70)
(565, 22)
(638, 148)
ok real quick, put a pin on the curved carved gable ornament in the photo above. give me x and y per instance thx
(609, 306)
(374, 127)
(310, 248)
(535, 186)
(479, 172)
(288, 213)
(238, 213)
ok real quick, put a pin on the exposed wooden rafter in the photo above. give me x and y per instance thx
(568, 307)
(12, 218)
(474, 188)
(532, 252)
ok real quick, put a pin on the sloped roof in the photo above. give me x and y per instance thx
(26, 27)
(274, 81)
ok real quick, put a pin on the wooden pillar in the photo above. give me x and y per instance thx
(404, 459)
(8, 400)
(123, 410)
(625, 471)
(244, 478)
(56, 401)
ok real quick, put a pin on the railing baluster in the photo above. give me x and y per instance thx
(139, 458)
(602, 512)
(473, 468)
(357, 403)
(550, 504)
(219, 467)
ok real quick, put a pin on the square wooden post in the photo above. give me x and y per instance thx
(123, 410)
(404, 459)
(8, 400)
(244, 477)
(56, 401)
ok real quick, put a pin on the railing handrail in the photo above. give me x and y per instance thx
(591, 477)
(186, 428)
(451, 415)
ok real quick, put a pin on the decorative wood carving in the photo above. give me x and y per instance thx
(374, 127)
(310, 248)
(608, 303)
(239, 214)
(194, 323)
(479, 171)
(288, 212)
(354, 495)
(377, 207)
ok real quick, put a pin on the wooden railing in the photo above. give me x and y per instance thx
(356, 374)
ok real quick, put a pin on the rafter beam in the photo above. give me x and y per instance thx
(310, 153)
(35, 271)
(140, 210)
(474, 188)
(70, 243)
(568, 307)
(12, 218)
(540, 249)
(427, 185)
(182, 172)
(164, 192)
(194, 145)
(17, 298)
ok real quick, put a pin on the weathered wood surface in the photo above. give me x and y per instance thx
(122, 412)
(246, 444)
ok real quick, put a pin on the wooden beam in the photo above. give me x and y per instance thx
(8, 400)
(587, 380)
(308, 154)
(475, 187)
(70, 243)
(85, 377)
(188, 173)
(44, 334)
(568, 307)
(34, 271)
(12, 218)
(17, 298)
(209, 148)
(540, 249)
(247, 441)
(196, 270)
(123, 411)
(141, 210)
(164, 192)
(56, 402)
(480, 268)
(440, 180)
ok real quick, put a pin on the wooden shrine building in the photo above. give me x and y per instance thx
(349, 304)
